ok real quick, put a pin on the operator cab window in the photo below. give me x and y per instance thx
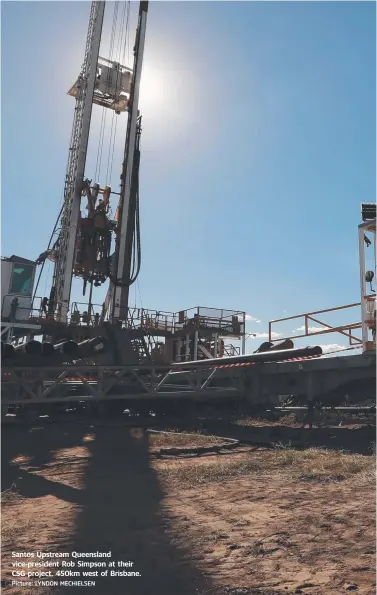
(22, 279)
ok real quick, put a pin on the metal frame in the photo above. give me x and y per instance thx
(345, 329)
(64, 263)
(311, 379)
(264, 384)
(26, 385)
(6, 326)
(115, 101)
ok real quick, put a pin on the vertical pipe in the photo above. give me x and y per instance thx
(90, 304)
(243, 338)
(196, 340)
(364, 328)
(187, 352)
(178, 352)
(216, 342)
(120, 300)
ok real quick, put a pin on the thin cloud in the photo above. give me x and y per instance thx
(332, 347)
(250, 318)
(265, 336)
(311, 329)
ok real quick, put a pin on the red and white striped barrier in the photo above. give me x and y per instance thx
(293, 359)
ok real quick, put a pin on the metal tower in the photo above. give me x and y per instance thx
(85, 90)
(65, 247)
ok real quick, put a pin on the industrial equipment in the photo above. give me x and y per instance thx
(111, 350)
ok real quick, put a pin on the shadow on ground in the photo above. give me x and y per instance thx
(120, 507)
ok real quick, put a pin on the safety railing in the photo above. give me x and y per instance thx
(19, 312)
(223, 322)
(309, 317)
(231, 350)
(151, 320)
(226, 322)
(84, 314)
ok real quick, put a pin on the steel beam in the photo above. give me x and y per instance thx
(76, 162)
(123, 260)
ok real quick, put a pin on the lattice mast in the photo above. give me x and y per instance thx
(65, 247)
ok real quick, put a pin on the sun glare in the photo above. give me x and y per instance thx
(155, 89)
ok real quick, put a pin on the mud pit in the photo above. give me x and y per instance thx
(246, 522)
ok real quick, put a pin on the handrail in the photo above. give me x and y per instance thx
(316, 312)
(344, 329)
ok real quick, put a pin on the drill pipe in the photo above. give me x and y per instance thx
(92, 346)
(66, 347)
(266, 346)
(30, 348)
(287, 344)
(268, 356)
(47, 349)
(7, 350)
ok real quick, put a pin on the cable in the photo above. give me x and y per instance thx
(125, 29)
(48, 248)
(136, 240)
(226, 444)
(120, 37)
(48, 268)
(104, 110)
(100, 145)
(113, 149)
(138, 288)
(136, 258)
(111, 146)
(127, 41)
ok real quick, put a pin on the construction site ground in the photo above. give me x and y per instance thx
(253, 520)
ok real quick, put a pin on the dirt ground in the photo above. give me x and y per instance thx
(245, 522)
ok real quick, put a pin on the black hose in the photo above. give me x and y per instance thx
(48, 248)
(136, 242)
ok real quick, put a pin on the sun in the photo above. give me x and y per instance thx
(156, 88)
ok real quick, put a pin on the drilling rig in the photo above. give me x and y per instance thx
(100, 247)
(112, 350)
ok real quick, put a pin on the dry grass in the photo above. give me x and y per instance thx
(286, 420)
(321, 418)
(323, 464)
(10, 496)
(301, 465)
(194, 439)
(10, 525)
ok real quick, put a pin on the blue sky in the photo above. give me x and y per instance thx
(258, 147)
